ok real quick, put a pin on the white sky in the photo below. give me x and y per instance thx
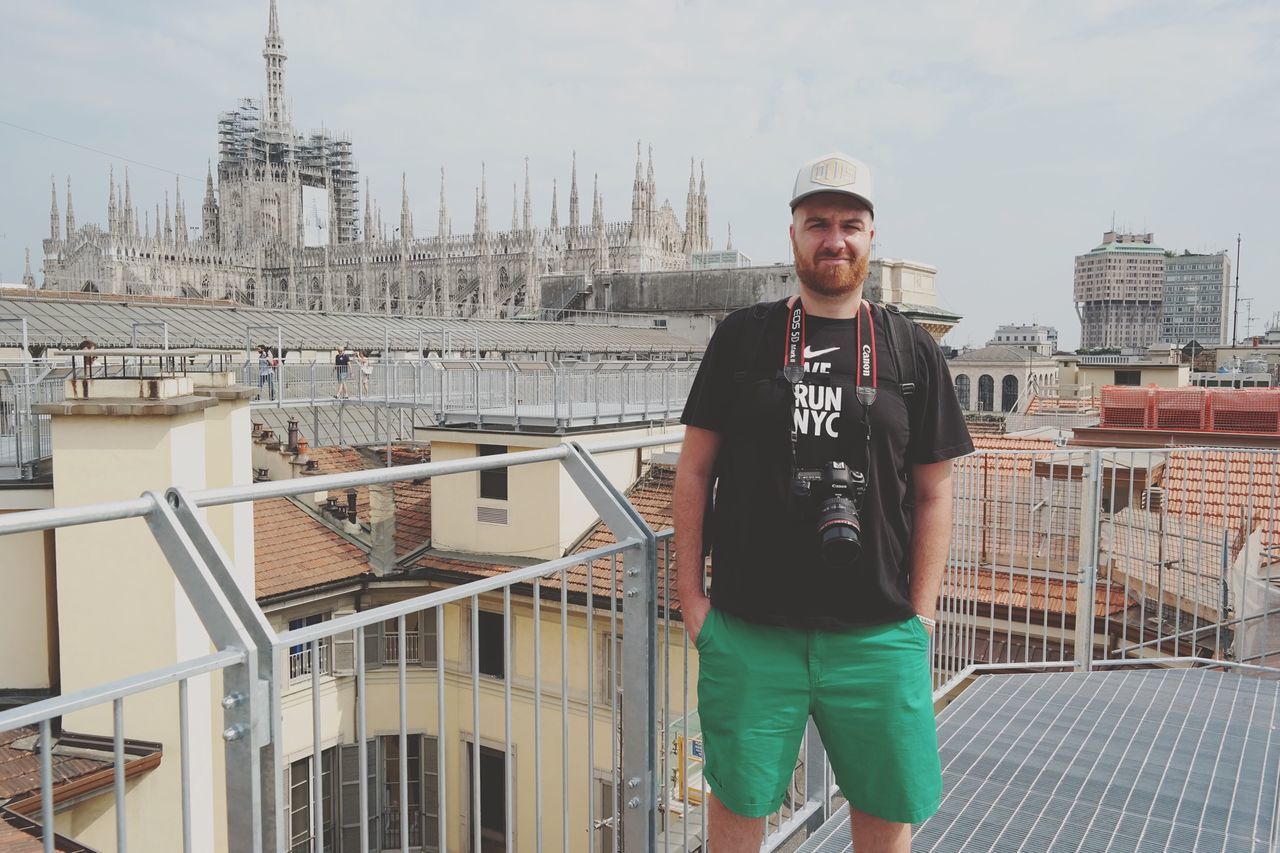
(1003, 136)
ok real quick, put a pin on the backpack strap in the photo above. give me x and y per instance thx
(902, 347)
(752, 338)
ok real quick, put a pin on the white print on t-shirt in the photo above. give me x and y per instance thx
(817, 409)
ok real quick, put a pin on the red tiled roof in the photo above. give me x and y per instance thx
(1022, 592)
(294, 551)
(413, 498)
(1239, 489)
(1010, 442)
(20, 768)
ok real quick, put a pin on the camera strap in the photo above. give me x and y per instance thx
(793, 362)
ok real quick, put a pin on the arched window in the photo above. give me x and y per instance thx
(962, 391)
(986, 393)
(1008, 393)
(353, 294)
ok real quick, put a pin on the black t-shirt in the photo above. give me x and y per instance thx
(764, 541)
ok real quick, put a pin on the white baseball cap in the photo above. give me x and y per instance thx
(834, 173)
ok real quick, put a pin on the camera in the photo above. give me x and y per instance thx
(840, 492)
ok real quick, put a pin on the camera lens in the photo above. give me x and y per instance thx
(840, 533)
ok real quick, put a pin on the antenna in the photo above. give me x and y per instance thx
(1235, 320)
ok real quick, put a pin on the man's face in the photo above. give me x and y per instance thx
(831, 234)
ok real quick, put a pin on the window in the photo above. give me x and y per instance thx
(300, 804)
(493, 483)
(300, 655)
(493, 800)
(491, 656)
(986, 393)
(962, 391)
(382, 641)
(1008, 393)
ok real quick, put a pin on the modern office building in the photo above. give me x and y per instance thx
(1197, 299)
(1119, 292)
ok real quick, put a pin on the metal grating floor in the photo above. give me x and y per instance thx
(1142, 760)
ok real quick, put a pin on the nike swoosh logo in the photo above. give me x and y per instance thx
(809, 353)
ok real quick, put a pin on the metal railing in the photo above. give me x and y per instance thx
(479, 391)
(25, 436)
(1059, 559)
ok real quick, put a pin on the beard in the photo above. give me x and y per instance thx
(837, 280)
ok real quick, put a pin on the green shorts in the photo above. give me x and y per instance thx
(867, 689)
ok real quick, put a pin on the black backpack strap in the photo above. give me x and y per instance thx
(753, 337)
(901, 330)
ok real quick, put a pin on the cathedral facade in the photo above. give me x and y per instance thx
(281, 228)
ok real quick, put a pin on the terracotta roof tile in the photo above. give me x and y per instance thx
(294, 551)
(1239, 489)
(20, 768)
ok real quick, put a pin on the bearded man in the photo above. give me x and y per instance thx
(816, 471)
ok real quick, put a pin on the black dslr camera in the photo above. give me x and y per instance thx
(840, 491)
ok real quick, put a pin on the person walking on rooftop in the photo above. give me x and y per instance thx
(267, 364)
(366, 371)
(341, 367)
(827, 426)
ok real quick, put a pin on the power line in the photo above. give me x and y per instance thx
(98, 151)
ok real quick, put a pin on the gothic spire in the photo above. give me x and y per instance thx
(28, 280)
(179, 214)
(406, 218)
(71, 211)
(555, 213)
(442, 228)
(209, 210)
(130, 216)
(112, 211)
(168, 223)
(528, 199)
(275, 55)
(573, 196)
(55, 221)
(597, 211)
(368, 214)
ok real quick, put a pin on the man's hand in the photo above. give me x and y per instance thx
(694, 614)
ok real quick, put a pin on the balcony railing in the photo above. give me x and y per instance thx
(1075, 559)
(488, 391)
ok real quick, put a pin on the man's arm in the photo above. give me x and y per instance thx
(693, 482)
(931, 533)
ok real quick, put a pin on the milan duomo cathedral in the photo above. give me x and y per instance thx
(264, 239)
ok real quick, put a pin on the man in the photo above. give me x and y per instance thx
(824, 577)
(267, 364)
(341, 367)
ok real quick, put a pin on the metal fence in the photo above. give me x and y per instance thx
(25, 436)
(478, 391)
(1077, 558)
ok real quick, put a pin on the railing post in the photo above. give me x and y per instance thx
(233, 621)
(1087, 576)
(639, 781)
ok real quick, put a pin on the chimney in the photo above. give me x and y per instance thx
(382, 524)
(113, 440)
(353, 524)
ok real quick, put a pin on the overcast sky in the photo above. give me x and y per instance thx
(1003, 136)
